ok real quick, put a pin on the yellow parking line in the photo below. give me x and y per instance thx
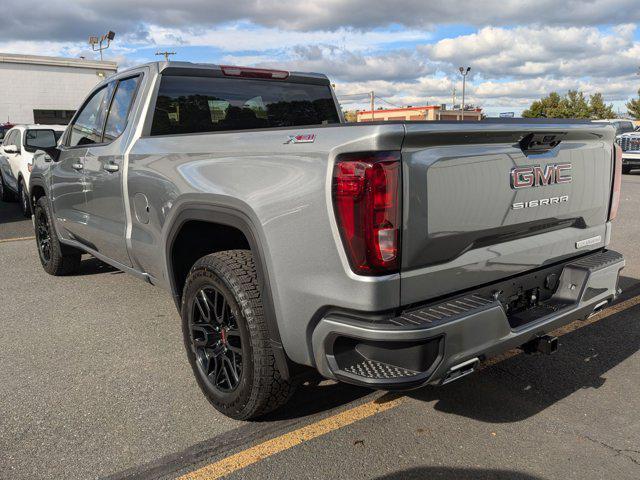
(291, 439)
(288, 440)
(16, 239)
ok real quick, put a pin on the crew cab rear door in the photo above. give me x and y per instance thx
(103, 174)
(484, 201)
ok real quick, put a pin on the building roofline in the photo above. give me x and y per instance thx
(58, 61)
(426, 107)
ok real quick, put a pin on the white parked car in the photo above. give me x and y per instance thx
(630, 144)
(16, 159)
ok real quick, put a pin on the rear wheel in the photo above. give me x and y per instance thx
(54, 260)
(626, 169)
(23, 195)
(226, 338)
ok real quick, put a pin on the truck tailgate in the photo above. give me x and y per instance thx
(484, 201)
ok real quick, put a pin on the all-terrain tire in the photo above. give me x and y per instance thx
(260, 388)
(56, 259)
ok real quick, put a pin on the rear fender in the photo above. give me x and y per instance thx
(239, 217)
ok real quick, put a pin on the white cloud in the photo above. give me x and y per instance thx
(71, 19)
(344, 65)
(242, 37)
(546, 51)
(521, 49)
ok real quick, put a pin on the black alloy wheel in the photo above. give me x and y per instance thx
(216, 340)
(43, 235)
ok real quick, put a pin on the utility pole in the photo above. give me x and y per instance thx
(93, 41)
(373, 96)
(464, 73)
(166, 55)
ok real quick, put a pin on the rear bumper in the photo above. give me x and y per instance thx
(443, 341)
(631, 158)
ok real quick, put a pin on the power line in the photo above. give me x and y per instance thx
(390, 103)
(363, 94)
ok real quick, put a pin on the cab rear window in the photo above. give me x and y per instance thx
(201, 104)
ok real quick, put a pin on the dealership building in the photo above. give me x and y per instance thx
(46, 90)
(428, 112)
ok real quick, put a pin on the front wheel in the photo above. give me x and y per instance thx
(226, 339)
(54, 260)
(25, 203)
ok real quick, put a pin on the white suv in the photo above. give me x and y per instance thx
(16, 159)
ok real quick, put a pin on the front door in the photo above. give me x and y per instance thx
(68, 190)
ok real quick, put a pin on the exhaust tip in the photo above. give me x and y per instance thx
(461, 370)
(598, 308)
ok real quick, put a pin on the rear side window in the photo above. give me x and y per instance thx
(120, 106)
(201, 104)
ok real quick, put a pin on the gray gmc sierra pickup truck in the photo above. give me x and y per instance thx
(391, 255)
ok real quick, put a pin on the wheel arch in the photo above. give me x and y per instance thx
(227, 219)
(36, 190)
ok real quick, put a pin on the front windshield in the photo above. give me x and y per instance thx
(39, 139)
(623, 127)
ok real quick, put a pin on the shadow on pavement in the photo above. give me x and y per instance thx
(628, 283)
(311, 398)
(525, 385)
(93, 266)
(10, 212)
(444, 473)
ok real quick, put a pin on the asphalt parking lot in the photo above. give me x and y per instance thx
(94, 383)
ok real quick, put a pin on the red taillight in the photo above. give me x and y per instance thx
(366, 198)
(249, 72)
(617, 182)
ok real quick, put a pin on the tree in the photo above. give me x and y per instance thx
(633, 107)
(599, 110)
(572, 105)
(350, 115)
(545, 107)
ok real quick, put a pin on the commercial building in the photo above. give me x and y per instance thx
(428, 112)
(47, 90)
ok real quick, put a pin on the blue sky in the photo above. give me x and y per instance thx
(407, 51)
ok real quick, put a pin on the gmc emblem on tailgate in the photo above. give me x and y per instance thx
(539, 176)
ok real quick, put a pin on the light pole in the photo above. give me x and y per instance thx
(93, 41)
(464, 73)
(373, 105)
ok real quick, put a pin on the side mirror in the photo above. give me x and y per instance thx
(52, 153)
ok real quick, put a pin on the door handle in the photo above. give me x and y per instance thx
(111, 167)
(77, 166)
